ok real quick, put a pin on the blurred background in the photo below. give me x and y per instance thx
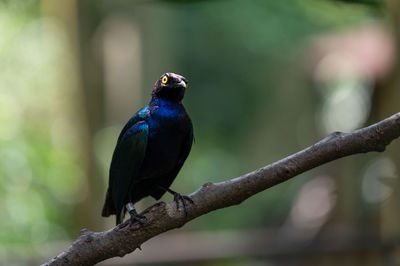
(266, 79)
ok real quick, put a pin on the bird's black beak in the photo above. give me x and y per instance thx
(182, 83)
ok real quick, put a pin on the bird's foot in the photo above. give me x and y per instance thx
(178, 197)
(135, 217)
(183, 198)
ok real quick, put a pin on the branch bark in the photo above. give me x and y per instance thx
(93, 247)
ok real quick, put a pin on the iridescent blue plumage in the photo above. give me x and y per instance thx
(151, 149)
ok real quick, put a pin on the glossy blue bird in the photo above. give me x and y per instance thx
(150, 151)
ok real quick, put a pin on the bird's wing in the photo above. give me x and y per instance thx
(140, 115)
(127, 159)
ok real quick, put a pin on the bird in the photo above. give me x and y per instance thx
(150, 151)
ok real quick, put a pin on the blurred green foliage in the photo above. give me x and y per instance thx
(39, 169)
(371, 3)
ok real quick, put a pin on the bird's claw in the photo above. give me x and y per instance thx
(135, 217)
(178, 197)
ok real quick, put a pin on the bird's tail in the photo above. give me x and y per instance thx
(108, 207)
(120, 216)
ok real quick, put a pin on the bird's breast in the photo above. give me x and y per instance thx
(167, 120)
(167, 132)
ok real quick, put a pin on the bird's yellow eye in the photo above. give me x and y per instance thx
(164, 79)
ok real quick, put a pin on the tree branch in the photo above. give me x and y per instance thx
(93, 247)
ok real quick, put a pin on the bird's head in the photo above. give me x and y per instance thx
(170, 86)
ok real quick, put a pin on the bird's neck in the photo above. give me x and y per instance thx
(161, 102)
(175, 96)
